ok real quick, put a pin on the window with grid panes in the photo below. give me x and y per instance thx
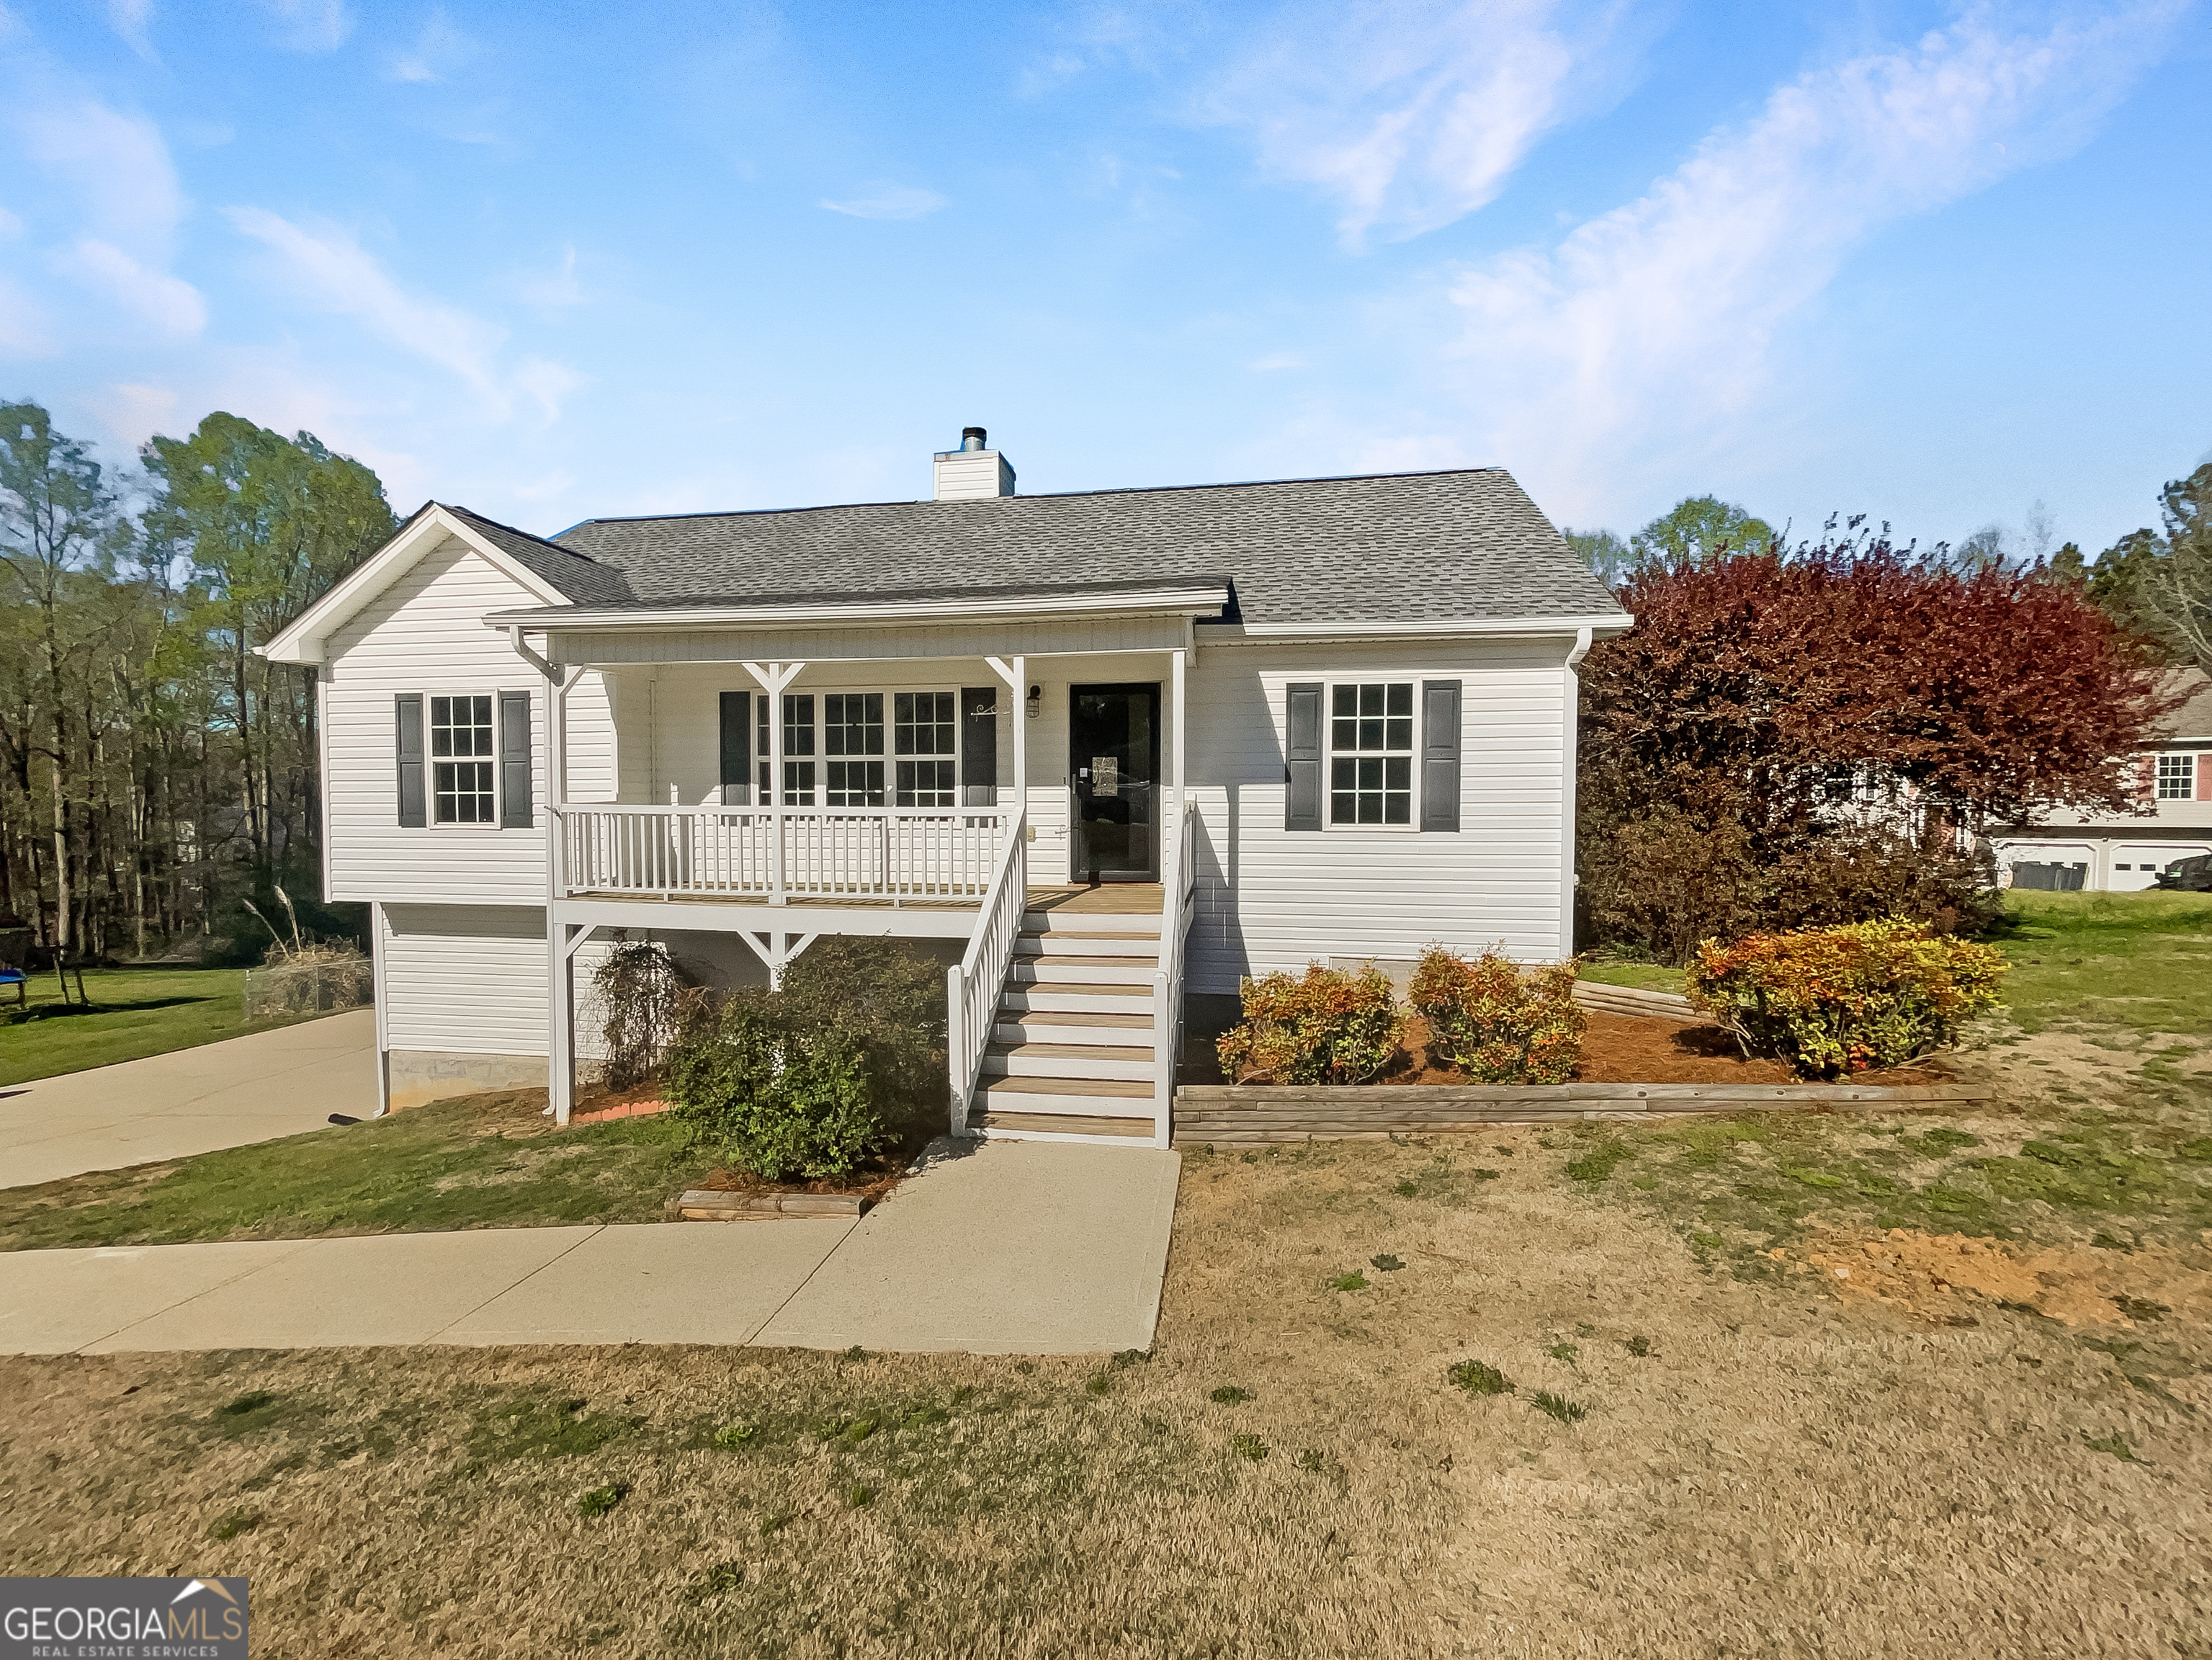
(463, 787)
(1370, 743)
(851, 733)
(2177, 777)
(798, 746)
(926, 745)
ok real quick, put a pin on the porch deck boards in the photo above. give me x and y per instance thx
(1113, 899)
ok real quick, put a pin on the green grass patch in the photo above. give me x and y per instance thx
(484, 1162)
(135, 1012)
(1477, 1377)
(1644, 977)
(2142, 961)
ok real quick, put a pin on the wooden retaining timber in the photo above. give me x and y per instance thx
(1628, 999)
(705, 1204)
(1259, 1115)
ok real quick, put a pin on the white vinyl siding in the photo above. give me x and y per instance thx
(424, 634)
(466, 979)
(1271, 898)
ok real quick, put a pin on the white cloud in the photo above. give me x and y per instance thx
(547, 382)
(439, 51)
(332, 272)
(1279, 359)
(129, 18)
(117, 164)
(558, 290)
(1412, 113)
(1655, 321)
(312, 25)
(171, 305)
(891, 202)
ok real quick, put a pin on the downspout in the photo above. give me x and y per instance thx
(1573, 725)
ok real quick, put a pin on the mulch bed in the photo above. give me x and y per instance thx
(1626, 1048)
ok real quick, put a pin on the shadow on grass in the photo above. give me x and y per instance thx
(135, 1006)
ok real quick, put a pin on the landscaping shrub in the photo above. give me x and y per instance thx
(889, 993)
(1495, 1024)
(785, 1098)
(1846, 998)
(637, 995)
(1325, 1027)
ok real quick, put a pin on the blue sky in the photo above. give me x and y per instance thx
(1935, 264)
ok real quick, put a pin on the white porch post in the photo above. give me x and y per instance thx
(1016, 674)
(1171, 852)
(773, 677)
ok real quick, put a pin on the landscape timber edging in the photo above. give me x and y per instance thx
(1631, 1000)
(1260, 1114)
(704, 1205)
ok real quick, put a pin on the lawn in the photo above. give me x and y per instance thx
(1536, 1393)
(484, 1161)
(135, 1012)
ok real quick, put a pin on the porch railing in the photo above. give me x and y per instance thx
(779, 853)
(973, 986)
(1167, 982)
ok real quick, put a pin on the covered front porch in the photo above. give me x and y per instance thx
(779, 783)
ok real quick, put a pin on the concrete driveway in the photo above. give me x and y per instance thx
(1007, 1248)
(219, 1095)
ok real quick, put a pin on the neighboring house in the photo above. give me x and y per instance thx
(2122, 854)
(1106, 749)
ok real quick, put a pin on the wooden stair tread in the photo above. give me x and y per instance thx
(1081, 989)
(1127, 1087)
(1082, 1017)
(1075, 1051)
(1063, 1124)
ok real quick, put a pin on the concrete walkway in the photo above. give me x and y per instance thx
(1002, 1248)
(166, 1106)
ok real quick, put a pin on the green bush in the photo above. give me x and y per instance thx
(1495, 1024)
(1326, 1027)
(891, 995)
(1848, 999)
(785, 1098)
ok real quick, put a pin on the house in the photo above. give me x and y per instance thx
(2116, 854)
(1102, 751)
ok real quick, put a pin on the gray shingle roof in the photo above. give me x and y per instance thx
(1398, 548)
(586, 581)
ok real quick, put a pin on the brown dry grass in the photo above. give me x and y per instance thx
(1780, 1472)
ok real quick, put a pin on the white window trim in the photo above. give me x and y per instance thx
(1329, 822)
(2193, 774)
(497, 821)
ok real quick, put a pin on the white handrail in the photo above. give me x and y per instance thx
(974, 985)
(1167, 983)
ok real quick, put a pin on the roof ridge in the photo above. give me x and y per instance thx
(529, 536)
(1041, 496)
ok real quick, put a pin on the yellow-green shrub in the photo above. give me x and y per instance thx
(1497, 1024)
(1325, 1027)
(1848, 999)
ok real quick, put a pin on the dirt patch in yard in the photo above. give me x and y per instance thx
(1944, 1277)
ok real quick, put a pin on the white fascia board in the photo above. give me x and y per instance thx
(304, 639)
(1255, 634)
(578, 618)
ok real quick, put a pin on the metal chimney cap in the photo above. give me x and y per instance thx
(972, 438)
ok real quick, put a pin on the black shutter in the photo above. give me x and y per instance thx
(514, 760)
(1439, 755)
(1302, 800)
(737, 748)
(413, 812)
(979, 746)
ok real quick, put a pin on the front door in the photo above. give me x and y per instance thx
(1115, 760)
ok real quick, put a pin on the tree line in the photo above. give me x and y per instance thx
(157, 775)
(1834, 731)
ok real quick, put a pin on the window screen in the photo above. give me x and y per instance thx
(462, 785)
(852, 731)
(1370, 742)
(925, 740)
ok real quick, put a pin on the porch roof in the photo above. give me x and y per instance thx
(1400, 548)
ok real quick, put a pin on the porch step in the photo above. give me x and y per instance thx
(1068, 1061)
(1071, 1028)
(1032, 970)
(1091, 921)
(1102, 1097)
(1146, 946)
(1059, 1124)
(1065, 997)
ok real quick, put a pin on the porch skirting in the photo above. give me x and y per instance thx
(1241, 1116)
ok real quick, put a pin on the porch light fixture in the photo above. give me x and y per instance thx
(1036, 701)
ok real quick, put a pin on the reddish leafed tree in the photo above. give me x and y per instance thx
(1778, 712)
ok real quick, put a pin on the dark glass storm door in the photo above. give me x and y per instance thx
(1114, 734)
